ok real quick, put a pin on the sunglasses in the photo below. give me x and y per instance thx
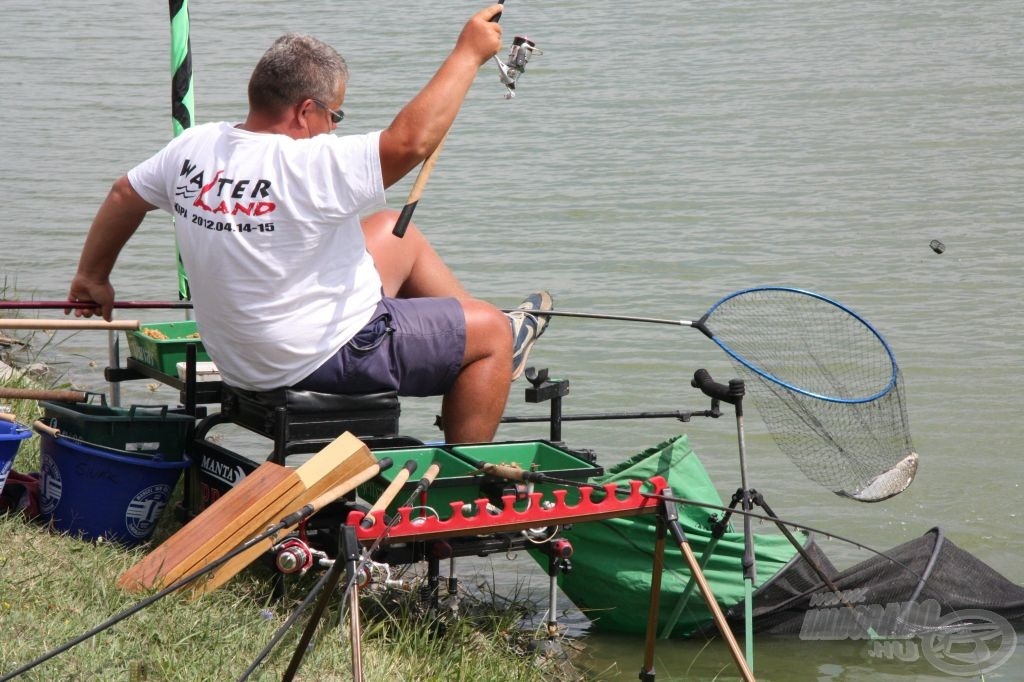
(336, 114)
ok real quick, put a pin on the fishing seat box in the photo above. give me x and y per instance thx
(306, 421)
(295, 421)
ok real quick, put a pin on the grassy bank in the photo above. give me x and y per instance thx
(53, 588)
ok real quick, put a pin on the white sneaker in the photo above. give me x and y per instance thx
(527, 328)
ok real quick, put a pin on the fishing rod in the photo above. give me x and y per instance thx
(75, 324)
(513, 473)
(8, 304)
(288, 521)
(405, 217)
(509, 72)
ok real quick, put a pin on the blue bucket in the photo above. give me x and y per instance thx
(97, 493)
(11, 435)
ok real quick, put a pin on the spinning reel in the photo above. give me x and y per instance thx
(514, 66)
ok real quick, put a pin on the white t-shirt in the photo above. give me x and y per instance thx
(268, 229)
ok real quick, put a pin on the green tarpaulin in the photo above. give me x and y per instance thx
(612, 560)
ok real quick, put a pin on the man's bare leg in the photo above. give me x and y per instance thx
(410, 268)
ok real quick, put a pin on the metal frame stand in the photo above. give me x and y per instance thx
(668, 520)
(746, 498)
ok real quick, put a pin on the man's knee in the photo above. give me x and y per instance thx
(487, 328)
(379, 224)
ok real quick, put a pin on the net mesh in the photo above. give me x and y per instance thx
(930, 567)
(825, 385)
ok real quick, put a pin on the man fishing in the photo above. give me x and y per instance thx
(290, 286)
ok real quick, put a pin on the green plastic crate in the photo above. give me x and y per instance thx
(538, 456)
(165, 354)
(531, 456)
(147, 431)
(455, 482)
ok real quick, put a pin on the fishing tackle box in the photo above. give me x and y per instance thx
(460, 480)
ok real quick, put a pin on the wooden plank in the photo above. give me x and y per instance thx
(235, 565)
(244, 516)
(340, 460)
(234, 510)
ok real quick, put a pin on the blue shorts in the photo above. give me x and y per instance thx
(412, 345)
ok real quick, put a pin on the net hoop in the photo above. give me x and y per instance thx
(893, 377)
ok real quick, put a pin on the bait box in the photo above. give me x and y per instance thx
(165, 354)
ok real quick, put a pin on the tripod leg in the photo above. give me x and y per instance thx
(647, 671)
(355, 633)
(868, 629)
(350, 553)
(672, 519)
(749, 577)
(718, 530)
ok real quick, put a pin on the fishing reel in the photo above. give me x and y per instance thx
(513, 67)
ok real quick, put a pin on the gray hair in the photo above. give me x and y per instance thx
(294, 68)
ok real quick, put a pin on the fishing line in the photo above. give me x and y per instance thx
(513, 474)
(288, 623)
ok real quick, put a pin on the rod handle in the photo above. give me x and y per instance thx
(43, 394)
(26, 323)
(42, 427)
(389, 494)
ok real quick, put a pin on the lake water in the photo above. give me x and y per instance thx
(657, 157)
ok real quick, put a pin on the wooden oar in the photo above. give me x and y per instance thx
(28, 323)
(264, 495)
